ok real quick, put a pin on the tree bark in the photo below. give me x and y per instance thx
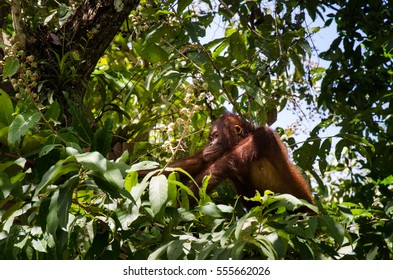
(87, 32)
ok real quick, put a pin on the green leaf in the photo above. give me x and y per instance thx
(61, 168)
(211, 209)
(19, 162)
(306, 252)
(175, 249)
(332, 228)
(130, 180)
(16, 210)
(39, 245)
(228, 233)
(222, 45)
(6, 186)
(237, 47)
(214, 82)
(114, 175)
(52, 220)
(151, 52)
(172, 189)
(127, 213)
(53, 112)
(339, 148)
(65, 201)
(323, 154)
(240, 223)
(144, 165)
(158, 193)
(185, 215)
(92, 161)
(20, 126)
(157, 253)
(48, 148)
(103, 138)
(182, 4)
(195, 30)
(11, 67)
(7, 109)
(80, 123)
(112, 189)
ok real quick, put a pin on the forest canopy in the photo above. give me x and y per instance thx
(92, 91)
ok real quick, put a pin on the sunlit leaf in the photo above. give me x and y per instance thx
(11, 67)
(20, 126)
(175, 249)
(158, 193)
(211, 209)
(62, 167)
(7, 109)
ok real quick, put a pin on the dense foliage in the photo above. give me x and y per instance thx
(72, 136)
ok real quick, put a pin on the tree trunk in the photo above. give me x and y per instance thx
(86, 34)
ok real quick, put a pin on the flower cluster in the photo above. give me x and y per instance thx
(25, 80)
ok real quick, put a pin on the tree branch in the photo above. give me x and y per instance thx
(87, 32)
(91, 28)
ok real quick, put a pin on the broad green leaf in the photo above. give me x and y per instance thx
(103, 138)
(339, 148)
(144, 165)
(223, 44)
(92, 161)
(109, 187)
(211, 209)
(323, 154)
(5, 184)
(185, 215)
(52, 220)
(61, 168)
(151, 52)
(53, 112)
(130, 180)
(228, 234)
(225, 208)
(127, 214)
(237, 249)
(214, 82)
(175, 249)
(240, 223)
(172, 189)
(65, 201)
(4, 135)
(198, 58)
(182, 4)
(332, 228)
(80, 123)
(20, 126)
(306, 252)
(158, 193)
(7, 109)
(206, 250)
(113, 175)
(19, 162)
(296, 59)
(157, 253)
(39, 245)
(195, 30)
(48, 148)
(237, 47)
(11, 67)
(17, 209)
